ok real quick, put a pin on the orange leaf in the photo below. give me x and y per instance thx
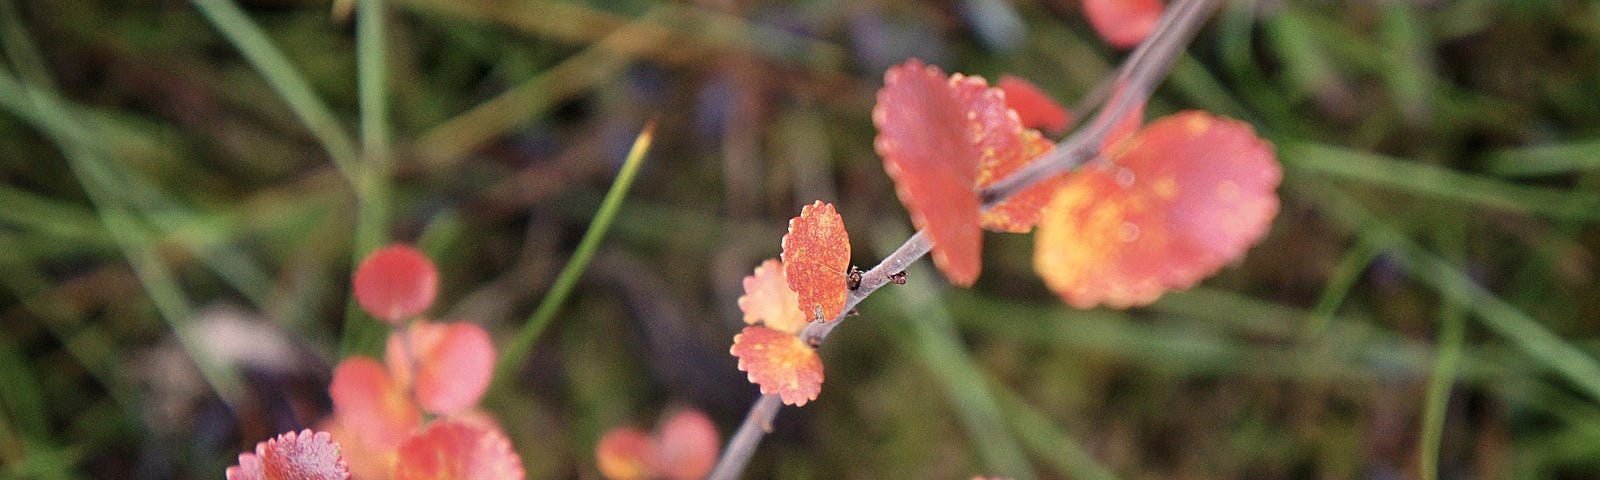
(768, 300)
(625, 454)
(1019, 213)
(928, 145)
(1123, 23)
(1035, 109)
(816, 252)
(686, 446)
(780, 363)
(1175, 202)
(453, 449)
(395, 282)
(1004, 145)
(452, 362)
(366, 461)
(370, 405)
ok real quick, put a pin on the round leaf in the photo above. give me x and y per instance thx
(780, 363)
(768, 299)
(686, 446)
(370, 405)
(1035, 109)
(1123, 23)
(1175, 202)
(816, 252)
(452, 362)
(928, 147)
(455, 449)
(395, 283)
(625, 454)
(305, 455)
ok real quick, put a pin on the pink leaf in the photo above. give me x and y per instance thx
(396, 282)
(302, 456)
(452, 449)
(1123, 23)
(687, 446)
(452, 362)
(370, 405)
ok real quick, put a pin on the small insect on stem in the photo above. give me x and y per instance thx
(853, 279)
(898, 278)
(816, 315)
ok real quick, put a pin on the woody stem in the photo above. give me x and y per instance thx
(1136, 80)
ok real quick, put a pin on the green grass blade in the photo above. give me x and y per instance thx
(253, 43)
(1344, 277)
(137, 246)
(1506, 320)
(1048, 443)
(372, 73)
(932, 333)
(38, 106)
(1447, 358)
(1556, 159)
(373, 184)
(1446, 363)
(1327, 161)
(449, 142)
(511, 356)
(19, 47)
(24, 420)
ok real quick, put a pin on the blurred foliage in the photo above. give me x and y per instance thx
(184, 187)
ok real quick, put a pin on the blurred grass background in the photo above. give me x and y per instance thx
(185, 186)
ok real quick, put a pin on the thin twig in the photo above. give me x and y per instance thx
(1136, 80)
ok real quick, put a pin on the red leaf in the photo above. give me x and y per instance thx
(302, 456)
(370, 405)
(687, 445)
(1123, 23)
(780, 363)
(928, 148)
(768, 299)
(396, 282)
(1035, 109)
(453, 363)
(625, 454)
(816, 252)
(1004, 146)
(453, 449)
(1175, 202)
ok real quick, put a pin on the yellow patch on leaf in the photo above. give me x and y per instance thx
(780, 363)
(1173, 203)
(768, 299)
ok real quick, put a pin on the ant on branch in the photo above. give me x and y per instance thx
(853, 279)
